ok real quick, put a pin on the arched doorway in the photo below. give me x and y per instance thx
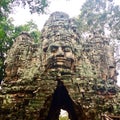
(61, 100)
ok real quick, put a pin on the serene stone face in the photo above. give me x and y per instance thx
(59, 38)
(60, 56)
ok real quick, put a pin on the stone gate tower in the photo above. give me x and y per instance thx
(62, 71)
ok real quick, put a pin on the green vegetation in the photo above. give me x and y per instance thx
(63, 118)
(99, 16)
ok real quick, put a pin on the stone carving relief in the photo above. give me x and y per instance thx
(62, 71)
(59, 40)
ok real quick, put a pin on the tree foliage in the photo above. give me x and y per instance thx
(29, 27)
(100, 16)
(6, 29)
(35, 6)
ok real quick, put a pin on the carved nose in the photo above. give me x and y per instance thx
(60, 52)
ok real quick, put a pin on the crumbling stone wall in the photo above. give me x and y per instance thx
(62, 71)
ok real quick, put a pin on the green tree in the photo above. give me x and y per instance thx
(35, 6)
(29, 27)
(99, 16)
(6, 29)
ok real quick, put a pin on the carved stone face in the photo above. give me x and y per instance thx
(59, 56)
(59, 36)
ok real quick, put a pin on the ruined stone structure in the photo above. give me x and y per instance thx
(62, 71)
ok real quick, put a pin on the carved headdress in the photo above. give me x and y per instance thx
(60, 27)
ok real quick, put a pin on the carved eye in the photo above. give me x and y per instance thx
(67, 49)
(53, 48)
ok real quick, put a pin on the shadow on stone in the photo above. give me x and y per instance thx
(61, 100)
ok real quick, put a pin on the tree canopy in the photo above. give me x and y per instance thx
(100, 16)
(35, 6)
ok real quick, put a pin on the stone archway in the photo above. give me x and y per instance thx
(61, 100)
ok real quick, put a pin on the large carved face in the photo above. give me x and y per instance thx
(59, 36)
(59, 56)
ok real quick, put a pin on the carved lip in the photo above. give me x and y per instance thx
(63, 61)
(59, 62)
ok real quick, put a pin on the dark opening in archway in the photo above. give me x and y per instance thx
(61, 100)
